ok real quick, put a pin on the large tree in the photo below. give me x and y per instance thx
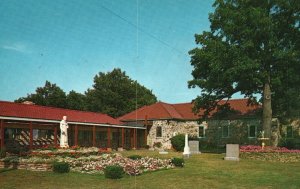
(49, 95)
(116, 94)
(252, 48)
(76, 101)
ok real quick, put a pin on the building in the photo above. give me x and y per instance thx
(164, 121)
(32, 126)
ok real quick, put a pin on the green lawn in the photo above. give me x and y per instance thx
(200, 171)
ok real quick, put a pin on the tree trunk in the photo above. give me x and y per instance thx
(267, 110)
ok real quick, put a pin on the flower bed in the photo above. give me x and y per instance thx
(97, 164)
(90, 160)
(274, 154)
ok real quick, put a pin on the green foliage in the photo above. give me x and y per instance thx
(61, 167)
(114, 93)
(113, 172)
(134, 157)
(178, 142)
(2, 153)
(157, 144)
(178, 162)
(251, 45)
(76, 101)
(49, 95)
(289, 143)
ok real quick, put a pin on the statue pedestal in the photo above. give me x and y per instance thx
(263, 140)
(186, 151)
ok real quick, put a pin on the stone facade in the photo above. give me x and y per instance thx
(171, 128)
(238, 132)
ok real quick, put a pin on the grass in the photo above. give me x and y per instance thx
(200, 171)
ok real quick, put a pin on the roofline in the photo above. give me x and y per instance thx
(70, 122)
(52, 107)
(131, 120)
(176, 119)
(181, 103)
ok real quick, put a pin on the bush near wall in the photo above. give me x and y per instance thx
(178, 142)
(2, 153)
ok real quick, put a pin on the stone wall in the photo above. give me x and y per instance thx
(238, 131)
(170, 129)
(27, 166)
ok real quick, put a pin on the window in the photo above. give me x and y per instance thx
(201, 133)
(289, 132)
(252, 131)
(225, 131)
(158, 132)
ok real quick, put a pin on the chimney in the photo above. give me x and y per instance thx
(28, 102)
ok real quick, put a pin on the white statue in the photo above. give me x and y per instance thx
(64, 133)
(186, 151)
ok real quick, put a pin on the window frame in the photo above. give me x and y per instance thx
(203, 132)
(161, 132)
(249, 131)
(292, 132)
(223, 126)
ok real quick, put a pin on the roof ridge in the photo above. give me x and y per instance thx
(170, 113)
(50, 107)
(181, 103)
(136, 110)
(182, 116)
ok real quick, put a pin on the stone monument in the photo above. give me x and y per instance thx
(232, 152)
(194, 147)
(186, 151)
(64, 133)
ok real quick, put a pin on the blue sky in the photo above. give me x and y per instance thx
(69, 41)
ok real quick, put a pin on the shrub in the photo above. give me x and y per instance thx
(157, 144)
(288, 143)
(2, 153)
(113, 172)
(16, 150)
(178, 142)
(178, 162)
(134, 157)
(61, 167)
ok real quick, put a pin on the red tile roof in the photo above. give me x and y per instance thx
(181, 111)
(11, 109)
